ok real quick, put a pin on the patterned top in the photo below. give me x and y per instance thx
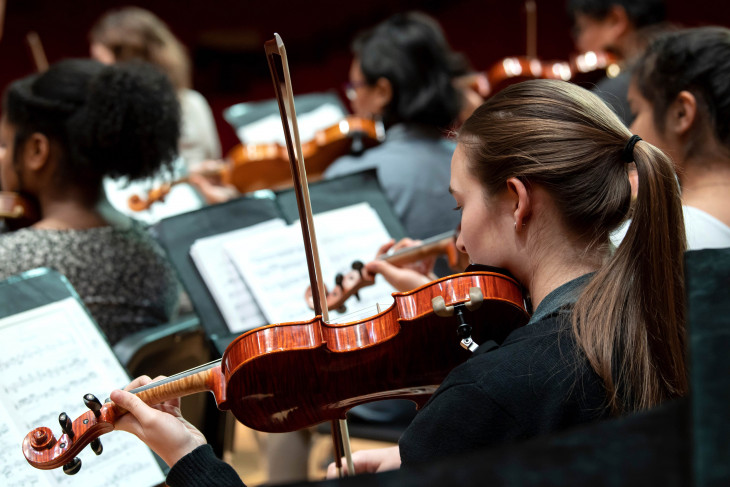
(121, 273)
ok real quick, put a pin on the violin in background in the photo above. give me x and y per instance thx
(350, 283)
(582, 68)
(252, 167)
(260, 166)
(520, 68)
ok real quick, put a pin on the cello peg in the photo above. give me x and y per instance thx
(72, 467)
(94, 404)
(96, 446)
(66, 425)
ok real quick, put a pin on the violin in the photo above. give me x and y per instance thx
(265, 166)
(138, 203)
(322, 369)
(349, 284)
(519, 68)
(17, 211)
(261, 166)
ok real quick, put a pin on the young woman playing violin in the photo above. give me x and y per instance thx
(681, 106)
(61, 133)
(540, 179)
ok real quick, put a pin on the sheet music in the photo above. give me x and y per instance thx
(273, 264)
(268, 129)
(225, 283)
(50, 357)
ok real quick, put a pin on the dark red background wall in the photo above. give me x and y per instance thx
(225, 37)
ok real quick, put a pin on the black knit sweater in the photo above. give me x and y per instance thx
(535, 383)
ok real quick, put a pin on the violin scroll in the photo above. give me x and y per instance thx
(44, 451)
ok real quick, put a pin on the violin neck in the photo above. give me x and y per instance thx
(433, 246)
(200, 379)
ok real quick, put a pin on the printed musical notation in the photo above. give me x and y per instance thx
(273, 265)
(52, 356)
(258, 275)
(229, 291)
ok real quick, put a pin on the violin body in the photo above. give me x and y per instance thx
(289, 376)
(403, 352)
(264, 166)
(519, 68)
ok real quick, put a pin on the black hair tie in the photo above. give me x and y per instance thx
(628, 154)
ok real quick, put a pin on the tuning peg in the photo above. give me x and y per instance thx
(93, 403)
(339, 279)
(96, 446)
(66, 425)
(72, 467)
(358, 266)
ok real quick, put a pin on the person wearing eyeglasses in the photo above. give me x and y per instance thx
(402, 74)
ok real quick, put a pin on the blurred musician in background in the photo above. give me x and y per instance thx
(621, 28)
(402, 73)
(135, 33)
(682, 106)
(62, 132)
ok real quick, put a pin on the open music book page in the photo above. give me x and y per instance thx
(225, 283)
(50, 356)
(270, 259)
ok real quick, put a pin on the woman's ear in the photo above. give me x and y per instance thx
(521, 202)
(35, 152)
(382, 93)
(617, 21)
(682, 113)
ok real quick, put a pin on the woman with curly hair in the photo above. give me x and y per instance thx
(62, 132)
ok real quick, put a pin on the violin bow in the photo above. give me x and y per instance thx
(531, 18)
(37, 51)
(2, 17)
(276, 56)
